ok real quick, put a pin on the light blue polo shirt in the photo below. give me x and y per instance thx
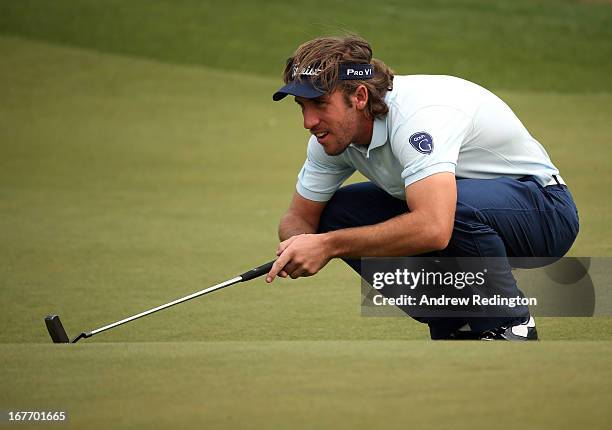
(435, 124)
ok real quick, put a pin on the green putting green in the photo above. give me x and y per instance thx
(314, 384)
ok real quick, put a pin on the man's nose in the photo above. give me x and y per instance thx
(311, 119)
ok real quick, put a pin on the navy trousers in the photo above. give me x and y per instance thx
(494, 218)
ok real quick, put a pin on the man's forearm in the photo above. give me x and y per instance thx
(403, 235)
(291, 225)
(427, 227)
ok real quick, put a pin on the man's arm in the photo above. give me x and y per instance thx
(302, 217)
(427, 227)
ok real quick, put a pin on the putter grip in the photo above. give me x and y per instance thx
(257, 272)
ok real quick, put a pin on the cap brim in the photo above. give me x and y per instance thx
(303, 88)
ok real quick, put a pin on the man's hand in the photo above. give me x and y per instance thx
(301, 255)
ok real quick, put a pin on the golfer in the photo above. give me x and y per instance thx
(452, 172)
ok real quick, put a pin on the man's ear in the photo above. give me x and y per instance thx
(361, 97)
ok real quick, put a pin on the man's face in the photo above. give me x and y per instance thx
(330, 120)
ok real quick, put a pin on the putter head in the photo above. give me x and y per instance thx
(56, 330)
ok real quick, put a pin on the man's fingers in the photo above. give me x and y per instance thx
(299, 272)
(278, 265)
(290, 268)
(285, 244)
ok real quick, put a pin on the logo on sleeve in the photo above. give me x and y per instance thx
(422, 142)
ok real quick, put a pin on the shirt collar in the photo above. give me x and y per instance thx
(379, 137)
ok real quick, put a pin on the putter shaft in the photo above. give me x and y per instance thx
(165, 306)
(59, 335)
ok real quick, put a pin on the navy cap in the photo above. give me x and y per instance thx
(304, 87)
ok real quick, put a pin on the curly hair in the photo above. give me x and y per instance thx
(327, 53)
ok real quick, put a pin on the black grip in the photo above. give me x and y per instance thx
(257, 272)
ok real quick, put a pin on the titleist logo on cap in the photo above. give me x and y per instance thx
(305, 71)
(346, 72)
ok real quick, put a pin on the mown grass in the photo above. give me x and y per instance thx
(301, 384)
(547, 45)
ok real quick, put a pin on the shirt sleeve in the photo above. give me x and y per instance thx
(322, 174)
(429, 141)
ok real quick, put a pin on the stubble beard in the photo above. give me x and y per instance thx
(343, 141)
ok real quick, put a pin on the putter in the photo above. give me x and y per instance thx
(58, 333)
